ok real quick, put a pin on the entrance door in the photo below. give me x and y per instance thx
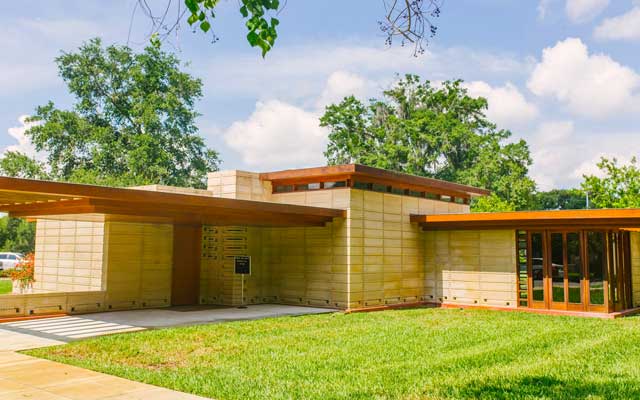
(578, 270)
(566, 271)
(185, 288)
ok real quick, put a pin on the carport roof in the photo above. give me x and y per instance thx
(600, 218)
(29, 198)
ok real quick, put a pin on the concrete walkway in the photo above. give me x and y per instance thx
(24, 377)
(20, 335)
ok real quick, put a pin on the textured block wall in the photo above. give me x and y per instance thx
(471, 267)
(235, 184)
(138, 259)
(68, 256)
(635, 268)
(387, 250)
(218, 282)
(310, 265)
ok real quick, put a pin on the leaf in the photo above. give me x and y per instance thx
(253, 39)
(205, 26)
(244, 12)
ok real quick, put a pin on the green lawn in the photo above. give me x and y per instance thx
(404, 354)
(5, 286)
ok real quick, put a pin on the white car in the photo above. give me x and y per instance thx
(9, 260)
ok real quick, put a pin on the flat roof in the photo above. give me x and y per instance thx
(371, 174)
(29, 198)
(610, 218)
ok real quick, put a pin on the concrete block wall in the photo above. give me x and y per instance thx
(218, 282)
(68, 256)
(471, 267)
(235, 184)
(138, 265)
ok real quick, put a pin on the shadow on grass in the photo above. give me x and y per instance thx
(534, 387)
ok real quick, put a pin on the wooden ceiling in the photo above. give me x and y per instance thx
(556, 219)
(31, 198)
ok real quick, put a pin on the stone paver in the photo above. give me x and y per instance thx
(24, 377)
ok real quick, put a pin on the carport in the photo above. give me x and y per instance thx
(159, 222)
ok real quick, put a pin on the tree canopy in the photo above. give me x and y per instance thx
(17, 235)
(133, 121)
(619, 186)
(559, 199)
(439, 132)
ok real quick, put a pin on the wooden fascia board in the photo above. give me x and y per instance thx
(524, 220)
(144, 196)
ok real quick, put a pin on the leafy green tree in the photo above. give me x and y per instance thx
(20, 165)
(559, 199)
(438, 132)
(133, 121)
(618, 188)
(17, 235)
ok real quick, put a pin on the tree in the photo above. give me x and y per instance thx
(618, 188)
(438, 132)
(559, 199)
(411, 21)
(133, 121)
(17, 235)
(20, 165)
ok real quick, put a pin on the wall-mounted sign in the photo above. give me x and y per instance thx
(242, 265)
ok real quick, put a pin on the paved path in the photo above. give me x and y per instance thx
(24, 377)
(21, 335)
(64, 328)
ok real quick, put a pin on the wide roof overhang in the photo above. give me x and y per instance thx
(601, 218)
(27, 198)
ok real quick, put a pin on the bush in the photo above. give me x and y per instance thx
(5, 273)
(23, 272)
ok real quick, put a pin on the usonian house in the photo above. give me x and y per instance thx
(348, 237)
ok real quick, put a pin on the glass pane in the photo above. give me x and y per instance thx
(537, 266)
(596, 251)
(557, 267)
(574, 267)
(523, 286)
(613, 278)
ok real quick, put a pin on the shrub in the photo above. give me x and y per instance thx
(23, 272)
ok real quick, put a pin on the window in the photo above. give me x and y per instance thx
(376, 187)
(283, 188)
(314, 186)
(338, 184)
(4, 256)
(302, 187)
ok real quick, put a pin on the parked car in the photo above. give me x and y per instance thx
(9, 260)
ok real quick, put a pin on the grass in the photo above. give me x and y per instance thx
(5, 286)
(403, 354)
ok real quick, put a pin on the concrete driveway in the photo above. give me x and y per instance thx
(50, 331)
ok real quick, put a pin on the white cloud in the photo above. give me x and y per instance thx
(24, 145)
(563, 153)
(341, 84)
(622, 27)
(579, 11)
(278, 135)
(591, 85)
(296, 73)
(508, 108)
(543, 8)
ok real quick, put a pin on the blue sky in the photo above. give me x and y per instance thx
(562, 74)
